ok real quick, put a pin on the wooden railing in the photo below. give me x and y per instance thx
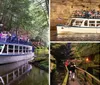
(86, 78)
(66, 77)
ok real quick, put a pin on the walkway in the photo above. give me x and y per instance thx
(82, 78)
(75, 82)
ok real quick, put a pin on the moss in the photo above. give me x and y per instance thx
(41, 62)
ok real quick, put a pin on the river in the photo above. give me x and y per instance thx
(73, 36)
(22, 73)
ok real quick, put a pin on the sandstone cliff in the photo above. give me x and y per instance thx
(61, 10)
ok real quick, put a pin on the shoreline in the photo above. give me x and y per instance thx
(39, 65)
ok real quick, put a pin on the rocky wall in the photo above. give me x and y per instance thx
(61, 10)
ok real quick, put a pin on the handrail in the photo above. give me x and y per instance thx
(88, 74)
(66, 77)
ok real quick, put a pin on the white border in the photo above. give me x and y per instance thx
(49, 41)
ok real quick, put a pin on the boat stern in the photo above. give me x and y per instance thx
(62, 29)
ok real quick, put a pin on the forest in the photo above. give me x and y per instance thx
(85, 55)
(29, 17)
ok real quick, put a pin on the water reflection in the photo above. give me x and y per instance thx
(74, 37)
(78, 36)
(23, 73)
(35, 77)
(10, 72)
(4, 69)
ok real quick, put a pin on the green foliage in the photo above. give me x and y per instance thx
(14, 13)
(45, 64)
(39, 58)
(60, 52)
(97, 59)
(39, 20)
(90, 51)
(41, 52)
(79, 51)
(30, 15)
(85, 49)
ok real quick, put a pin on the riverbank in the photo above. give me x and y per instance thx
(41, 62)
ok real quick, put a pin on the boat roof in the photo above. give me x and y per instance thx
(86, 18)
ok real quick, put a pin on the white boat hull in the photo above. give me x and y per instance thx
(9, 59)
(66, 29)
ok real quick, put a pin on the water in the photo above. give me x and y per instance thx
(74, 37)
(35, 77)
(22, 73)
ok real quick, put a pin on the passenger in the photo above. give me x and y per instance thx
(20, 39)
(0, 36)
(71, 68)
(66, 63)
(87, 14)
(90, 13)
(3, 37)
(8, 37)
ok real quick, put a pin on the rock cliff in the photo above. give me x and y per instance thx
(61, 10)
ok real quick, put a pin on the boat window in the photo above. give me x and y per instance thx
(30, 51)
(92, 23)
(98, 23)
(10, 48)
(27, 49)
(16, 49)
(20, 49)
(24, 49)
(78, 23)
(86, 23)
(1, 45)
(71, 23)
(5, 49)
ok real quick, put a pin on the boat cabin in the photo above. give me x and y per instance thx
(12, 49)
(83, 22)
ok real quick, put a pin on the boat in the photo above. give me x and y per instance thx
(81, 24)
(13, 51)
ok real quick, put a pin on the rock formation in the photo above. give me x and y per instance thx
(61, 10)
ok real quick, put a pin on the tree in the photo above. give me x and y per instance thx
(60, 52)
(27, 15)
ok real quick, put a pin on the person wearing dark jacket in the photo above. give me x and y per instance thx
(71, 68)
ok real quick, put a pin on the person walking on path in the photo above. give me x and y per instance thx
(71, 68)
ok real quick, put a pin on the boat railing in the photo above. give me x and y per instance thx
(15, 74)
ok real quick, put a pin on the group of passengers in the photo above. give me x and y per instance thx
(86, 13)
(12, 37)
